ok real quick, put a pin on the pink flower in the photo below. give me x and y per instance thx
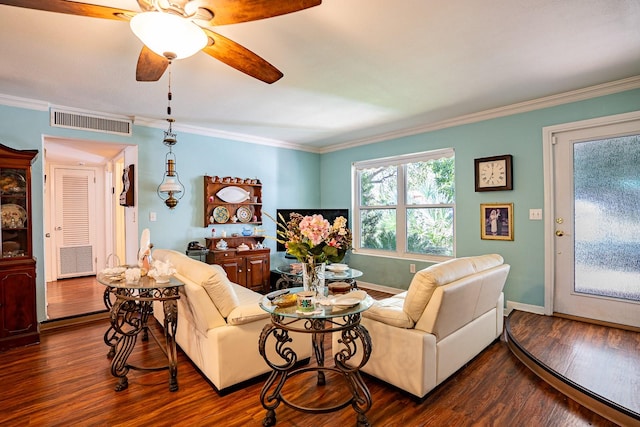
(315, 228)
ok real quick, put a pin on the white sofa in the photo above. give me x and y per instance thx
(219, 323)
(449, 314)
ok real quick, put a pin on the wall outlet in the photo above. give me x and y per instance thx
(535, 214)
(412, 268)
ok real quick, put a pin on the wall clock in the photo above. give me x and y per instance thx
(494, 173)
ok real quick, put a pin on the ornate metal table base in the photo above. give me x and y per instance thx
(130, 312)
(352, 333)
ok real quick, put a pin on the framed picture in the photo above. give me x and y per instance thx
(496, 221)
(494, 173)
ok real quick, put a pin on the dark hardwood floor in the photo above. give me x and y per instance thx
(65, 380)
(596, 365)
(74, 297)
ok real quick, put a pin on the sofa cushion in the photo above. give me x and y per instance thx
(426, 281)
(211, 277)
(220, 290)
(389, 311)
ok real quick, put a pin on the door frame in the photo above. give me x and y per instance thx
(548, 140)
(92, 149)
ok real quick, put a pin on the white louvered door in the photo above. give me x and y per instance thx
(74, 222)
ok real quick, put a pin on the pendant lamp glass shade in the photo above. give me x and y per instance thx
(170, 185)
(168, 35)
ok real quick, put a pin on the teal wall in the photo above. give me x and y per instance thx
(290, 178)
(519, 135)
(299, 179)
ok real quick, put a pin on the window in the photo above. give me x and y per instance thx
(404, 206)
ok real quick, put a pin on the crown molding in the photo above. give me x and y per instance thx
(26, 103)
(521, 107)
(219, 134)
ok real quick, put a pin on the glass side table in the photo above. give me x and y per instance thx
(325, 319)
(290, 279)
(130, 305)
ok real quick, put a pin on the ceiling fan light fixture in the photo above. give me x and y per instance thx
(168, 35)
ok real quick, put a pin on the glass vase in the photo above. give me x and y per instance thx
(313, 278)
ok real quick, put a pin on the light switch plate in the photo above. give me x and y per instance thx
(535, 214)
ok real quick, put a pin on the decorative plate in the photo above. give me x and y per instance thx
(244, 214)
(221, 214)
(337, 268)
(233, 194)
(345, 302)
(12, 182)
(13, 216)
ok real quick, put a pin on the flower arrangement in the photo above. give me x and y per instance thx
(313, 240)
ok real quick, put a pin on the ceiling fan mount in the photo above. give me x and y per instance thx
(192, 9)
(201, 13)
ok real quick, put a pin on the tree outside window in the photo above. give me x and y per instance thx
(405, 206)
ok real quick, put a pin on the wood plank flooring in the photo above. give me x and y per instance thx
(74, 297)
(593, 362)
(66, 380)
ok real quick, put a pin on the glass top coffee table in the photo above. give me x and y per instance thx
(326, 318)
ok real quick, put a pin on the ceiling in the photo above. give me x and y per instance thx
(354, 71)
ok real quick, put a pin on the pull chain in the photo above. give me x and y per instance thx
(169, 94)
(169, 136)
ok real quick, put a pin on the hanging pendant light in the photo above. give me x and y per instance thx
(170, 187)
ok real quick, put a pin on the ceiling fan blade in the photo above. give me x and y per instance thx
(151, 66)
(234, 11)
(74, 8)
(240, 58)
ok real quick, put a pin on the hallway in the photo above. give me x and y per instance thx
(74, 297)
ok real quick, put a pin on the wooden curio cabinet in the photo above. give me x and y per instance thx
(18, 316)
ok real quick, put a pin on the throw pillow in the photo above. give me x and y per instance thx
(221, 291)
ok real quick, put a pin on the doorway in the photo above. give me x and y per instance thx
(593, 227)
(84, 222)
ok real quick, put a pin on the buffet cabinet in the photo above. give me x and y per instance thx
(18, 314)
(249, 268)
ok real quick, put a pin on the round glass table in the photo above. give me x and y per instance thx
(326, 318)
(292, 278)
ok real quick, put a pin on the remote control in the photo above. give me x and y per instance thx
(275, 294)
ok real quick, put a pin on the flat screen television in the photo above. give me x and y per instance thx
(328, 214)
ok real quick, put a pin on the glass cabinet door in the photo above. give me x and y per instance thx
(14, 207)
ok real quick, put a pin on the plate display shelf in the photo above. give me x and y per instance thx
(18, 316)
(228, 197)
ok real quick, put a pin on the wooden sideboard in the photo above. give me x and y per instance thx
(248, 268)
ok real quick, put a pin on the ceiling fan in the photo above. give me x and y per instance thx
(200, 14)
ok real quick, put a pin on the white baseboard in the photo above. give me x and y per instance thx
(535, 309)
(379, 288)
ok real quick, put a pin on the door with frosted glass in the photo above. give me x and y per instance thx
(597, 223)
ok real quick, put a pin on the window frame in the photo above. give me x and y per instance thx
(401, 205)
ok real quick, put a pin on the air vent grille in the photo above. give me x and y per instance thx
(92, 122)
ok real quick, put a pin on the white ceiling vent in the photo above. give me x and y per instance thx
(87, 121)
